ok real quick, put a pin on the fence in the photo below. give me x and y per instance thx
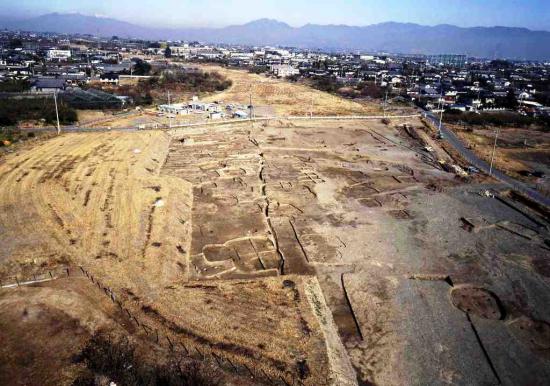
(52, 274)
(176, 345)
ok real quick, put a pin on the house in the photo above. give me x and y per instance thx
(117, 68)
(242, 55)
(175, 108)
(55, 54)
(216, 115)
(110, 78)
(48, 85)
(74, 78)
(284, 70)
(240, 114)
(201, 106)
(197, 106)
(459, 107)
(181, 51)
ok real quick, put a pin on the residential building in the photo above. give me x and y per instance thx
(55, 54)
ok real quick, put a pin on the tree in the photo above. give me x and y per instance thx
(167, 52)
(371, 89)
(141, 67)
(499, 63)
(510, 102)
(15, 43)
(14, 85)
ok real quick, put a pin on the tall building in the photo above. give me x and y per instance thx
(447, 60)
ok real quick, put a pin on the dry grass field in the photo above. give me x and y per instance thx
(270, 96)
(108, 202)
(284, 97)
(517, 149)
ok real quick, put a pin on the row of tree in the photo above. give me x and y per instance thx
(17, 110)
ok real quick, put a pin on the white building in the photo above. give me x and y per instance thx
(181, 51)
(284, 70)
(240, 114)
(216, 115)
(242, 55)
(54, 54)
(175, 108)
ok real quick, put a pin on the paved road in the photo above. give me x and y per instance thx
(76, 129)
(452, 139)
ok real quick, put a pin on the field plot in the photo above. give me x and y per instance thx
(520, 152)
(366, 210)
(270, 97)
(286, 252)
(105, 201)
(285, 98)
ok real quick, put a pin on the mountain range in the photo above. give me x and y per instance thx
(488, 42)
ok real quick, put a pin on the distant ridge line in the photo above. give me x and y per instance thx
(391, 37)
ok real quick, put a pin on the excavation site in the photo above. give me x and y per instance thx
(268, 251)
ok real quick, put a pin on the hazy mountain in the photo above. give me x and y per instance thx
(74, 23)
(519, 43)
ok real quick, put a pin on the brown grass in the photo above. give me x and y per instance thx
(285, 97)
(511, 155)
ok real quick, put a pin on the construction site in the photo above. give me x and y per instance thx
(269, 252)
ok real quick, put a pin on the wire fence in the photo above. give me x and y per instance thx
(51, 274)
(180, 347)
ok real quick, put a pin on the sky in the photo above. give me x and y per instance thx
(532, 14)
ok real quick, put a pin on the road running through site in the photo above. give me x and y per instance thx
(459, 146)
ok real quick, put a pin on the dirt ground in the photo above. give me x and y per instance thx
(108, 201)
(321, 252)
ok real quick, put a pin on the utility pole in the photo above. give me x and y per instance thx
(440, 113)
(494, 150)
(440, 122)
(169, 111)
(56, 112)
(251, 108)
(311, 109)
(385, 101)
